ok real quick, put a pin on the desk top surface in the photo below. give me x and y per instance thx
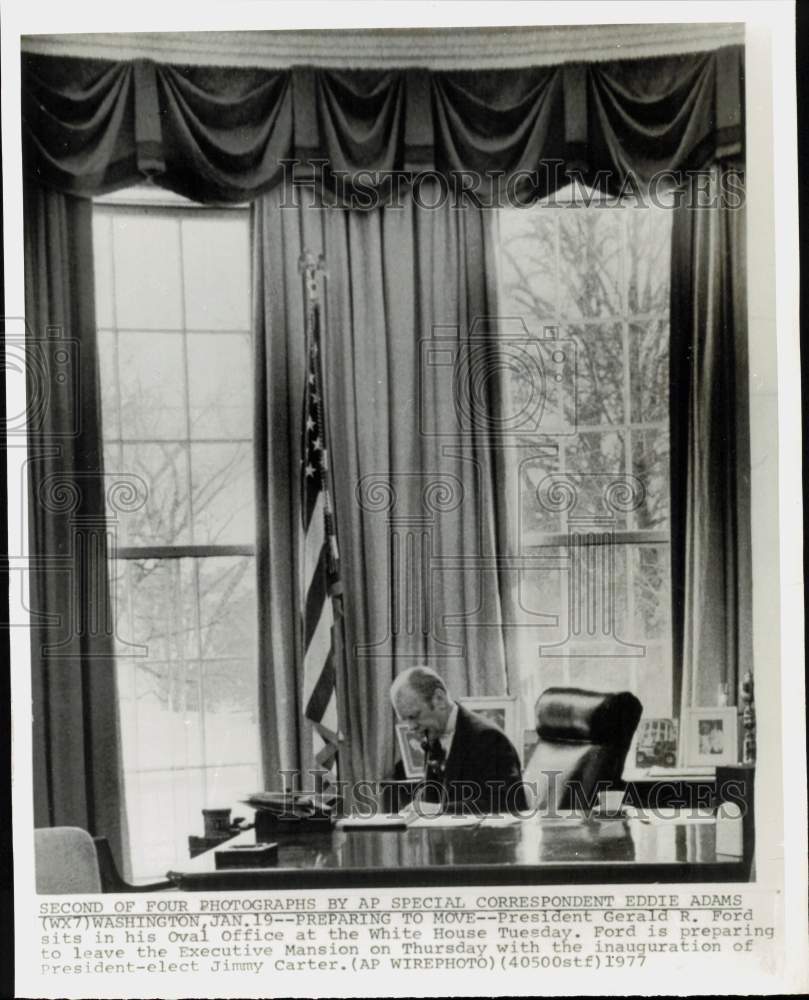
(529, 850)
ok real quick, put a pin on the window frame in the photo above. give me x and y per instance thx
(535, 541)
(144, 201)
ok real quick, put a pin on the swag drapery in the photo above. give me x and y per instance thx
(229, 134)
(212, 134)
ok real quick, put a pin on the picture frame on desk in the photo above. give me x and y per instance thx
(711, 736)
(502, 711)
(410, 750)
(654, 746)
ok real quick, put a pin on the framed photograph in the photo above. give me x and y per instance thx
(655, 744)
(410, 751)
(502, 711)
(711, 736)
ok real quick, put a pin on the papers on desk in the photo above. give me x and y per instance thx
(658, 817)
(444, 821)
(297, 805)
(381, 821)
(408, 819)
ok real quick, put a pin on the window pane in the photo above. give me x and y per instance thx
(230, 703)
(157, 610)
(216, 260)
(595, 595)
(108, 376)
(165, 517)
(596, 461)
(654, 681)
(535, 517)
(227, 594)
(599, 373)
(163, 807)
(222, 486)
(590, 262)
(102, 269)
(648, 255)
(607, 673)
(651, 591)
(539, 594)
(152, 380)
(650, 463)
(528, 265)
(220, 385)
(553, 672)
(649, 370)
(189, 725)
(147, 272)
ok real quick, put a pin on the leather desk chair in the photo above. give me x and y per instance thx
(584, 737)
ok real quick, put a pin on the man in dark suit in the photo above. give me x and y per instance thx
(469, 762)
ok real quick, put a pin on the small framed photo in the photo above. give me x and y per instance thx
(655, 744)
(711, 736)
(502, 711)
(410, 751)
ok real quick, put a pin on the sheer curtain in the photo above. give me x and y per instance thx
(77, 763)
(413, 479)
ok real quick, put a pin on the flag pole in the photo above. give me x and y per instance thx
(319, 602)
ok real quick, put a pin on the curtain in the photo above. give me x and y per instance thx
(77, 763)
(413, 480)
(225, 134)
(710, 462)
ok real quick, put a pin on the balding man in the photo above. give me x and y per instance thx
(473, 762)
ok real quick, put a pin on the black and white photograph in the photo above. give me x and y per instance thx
(395, 479)
(711, 736)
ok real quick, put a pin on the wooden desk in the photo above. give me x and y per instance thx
(532, 851)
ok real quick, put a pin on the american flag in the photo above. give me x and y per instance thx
(322, 600)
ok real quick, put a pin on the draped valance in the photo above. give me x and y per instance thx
(225, 134)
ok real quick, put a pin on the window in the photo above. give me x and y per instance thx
(597, 278)
(173, 318)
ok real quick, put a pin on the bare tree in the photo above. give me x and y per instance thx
(602, 275)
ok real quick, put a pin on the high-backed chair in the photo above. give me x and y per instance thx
(584, 737)
(65, 860)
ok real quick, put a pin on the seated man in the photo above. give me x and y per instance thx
(468, 761)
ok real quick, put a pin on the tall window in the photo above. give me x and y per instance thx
(173, 316)
(597, 279)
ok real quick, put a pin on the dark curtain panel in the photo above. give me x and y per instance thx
(413, 487)
(77, 766)
(710, 461)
